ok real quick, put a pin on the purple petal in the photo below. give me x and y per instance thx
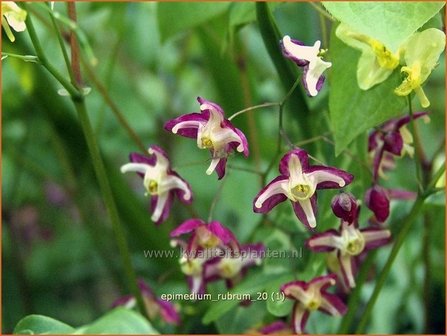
(187, 227)
(406, 119)
(299, 318)
(328, 174)
(181, 194)
(168, 312)
(166, 209)
(211, 270)
(233, 145)
(189, 132)
(145, 289)
(122, 301)
(344, 206)
(323, 281)
(383, 237)
(321, 242)
(299, 211)
(138, 158)
(224, 234)
(319, 85)
(287, 287)
(275, 328)
(372, 140)
(302, 156)
(376, 199)
(286, 53)
(393, 142)
(335, 302)
(271, 201)
(220, 168)
(399, 194)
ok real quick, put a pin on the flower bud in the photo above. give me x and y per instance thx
(345, 206)
(377, 200)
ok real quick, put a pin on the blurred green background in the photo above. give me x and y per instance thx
(59, 254)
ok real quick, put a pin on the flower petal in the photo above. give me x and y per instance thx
(346, 266)
(187, 227)
(376, 199)
(161, 206)
(305, 210)
(168, 312)
(393, 143)
(332, 305)
(313, 75)
(324, 242)
(299, 53)
(375, 237)
(329, 177)
(299, 167)
(186, 125)
(220, 168)
(288, 45)
(299, 318)
(223, 233)
(270, 195)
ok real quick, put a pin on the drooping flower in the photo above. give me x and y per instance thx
(378, 201)
(421, 54)
(311, 296)
(160, 181)
(392, 137)
(154, 306)
(206, 236)
(298, 181)
(14, 16)
(376, 63)
(213, 132)
(310, 59)
(349, 242)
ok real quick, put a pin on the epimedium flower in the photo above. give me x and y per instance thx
(376, 62)
(310, 59)
(12, 16)
(349, 242)
(298, 182)
(378, 201)
(421, 54)
(213, 132)
(155, 307)
(393, 137)
(159, 180)
(206, 236)
(311, 296)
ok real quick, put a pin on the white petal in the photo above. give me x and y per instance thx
(161, 201)
(316, 69)
(371, 236)
(299, 51)
(186, 124)
(273, 189)
(309, 212)
(174, 182)
(135, 167)
(346, 264)
(323, 175)
(212, 167)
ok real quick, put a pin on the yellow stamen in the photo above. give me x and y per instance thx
(301, 191)
(207, 143)
(385, 58)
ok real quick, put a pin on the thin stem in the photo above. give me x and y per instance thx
(113, 106)
(407, 222)
(63, 49)
(321, 11)
(251, 109)
(120, 234)
(248, 170)
(216, 198)
(26, 58)
(73, 91)
(75, 62)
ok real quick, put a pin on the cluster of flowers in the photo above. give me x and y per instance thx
(297, 182)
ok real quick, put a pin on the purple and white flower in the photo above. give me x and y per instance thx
(309, 58)
(206, 236)
(349, 242)
(159, 180)
(311, 296)
(298, 182)
(394, 138)
(154, 305)
(213, 132)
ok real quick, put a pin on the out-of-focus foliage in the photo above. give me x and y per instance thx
(60, 258)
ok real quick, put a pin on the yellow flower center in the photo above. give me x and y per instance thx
(191, 267)
(301, 191)
(385, 58)
(228, 268)
(207, 143)
(152, 187)
(313, 304)
(355, 246)
(412, 81)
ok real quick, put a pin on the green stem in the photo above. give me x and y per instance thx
(26, 58)
(251, 108)
(109, 201)
(418, 161)
(73, 91)
(407, 222)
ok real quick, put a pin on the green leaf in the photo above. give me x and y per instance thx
(353, 111)
(120, 321)
(389, 22)
(39, 324)
(176, 17)
(275, 305)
